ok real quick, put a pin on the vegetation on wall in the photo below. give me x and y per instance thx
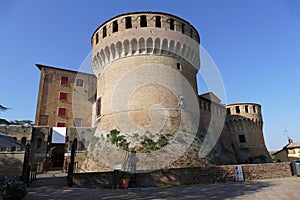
(146, 144)
(118, 140)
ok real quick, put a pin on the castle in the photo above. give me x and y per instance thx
(144, 85)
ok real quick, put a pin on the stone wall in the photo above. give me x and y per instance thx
(11, 163)
(185, 176)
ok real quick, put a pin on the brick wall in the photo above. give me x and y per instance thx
(185, 176)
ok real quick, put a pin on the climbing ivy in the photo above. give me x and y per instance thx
(118, 140)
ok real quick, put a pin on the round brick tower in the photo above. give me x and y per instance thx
(245, 125)
(146, 64)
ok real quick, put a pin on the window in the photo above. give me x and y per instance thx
(179, 66)
(62, 111)
(143, 21)
(228, 111)
(104, 33)
(115, 26)
(254, 109)
(128, 23)
(98, 107)
(63, 96)
(77, 122)
(97, 38)
(237, 109)
(246, 109)
(242, 138)
(79, 82)
(64, 80)
(172, 24)
(61, 124)
(158, 21)
(182, 27)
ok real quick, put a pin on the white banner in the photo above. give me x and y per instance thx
(59, 135)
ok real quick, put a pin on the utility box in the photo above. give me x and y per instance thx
(296, 167)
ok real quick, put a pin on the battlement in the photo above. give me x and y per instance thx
(243, 109)
(138, 20)
(145, 33)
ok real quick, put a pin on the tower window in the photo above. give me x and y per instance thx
(246, 109)
(79, 82)
(128, 23)
(237, 109)
(242, 139)
(77, 122)
(172, 27)
(179, 66)
(228, 111)
(98, 107)
(97, 38)
(143, 21)
(158, 21)
(254, 109)
(104, 32)
(63, 96)
(62, 111)
(64, 80)
(182, 27)
(115, 26)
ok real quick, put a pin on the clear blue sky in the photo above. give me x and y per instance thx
(254, 43)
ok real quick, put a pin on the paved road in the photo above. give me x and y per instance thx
(287, 188)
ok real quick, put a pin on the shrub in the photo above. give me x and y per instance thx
(15, 188)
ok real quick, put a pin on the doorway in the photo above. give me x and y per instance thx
(57, 158)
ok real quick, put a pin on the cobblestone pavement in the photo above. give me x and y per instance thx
(55, 188)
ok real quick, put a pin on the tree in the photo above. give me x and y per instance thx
(3, 121)
(14, 122)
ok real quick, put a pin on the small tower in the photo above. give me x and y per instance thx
(245, 124)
